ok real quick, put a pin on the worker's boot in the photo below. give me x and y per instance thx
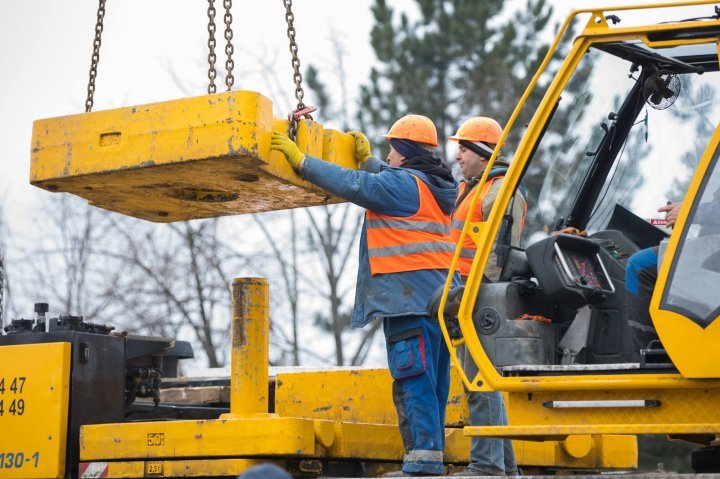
(468, 472)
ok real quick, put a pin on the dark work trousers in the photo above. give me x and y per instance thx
(419, 363)
(640, 277)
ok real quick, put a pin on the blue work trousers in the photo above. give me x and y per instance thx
(419, 363)
(487, 455)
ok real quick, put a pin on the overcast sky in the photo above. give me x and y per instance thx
(46, 46)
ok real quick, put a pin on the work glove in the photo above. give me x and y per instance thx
(280, 142)
(362, 146)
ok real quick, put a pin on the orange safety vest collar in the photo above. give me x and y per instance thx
(410, 243)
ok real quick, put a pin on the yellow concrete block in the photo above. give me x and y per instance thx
(185, 159)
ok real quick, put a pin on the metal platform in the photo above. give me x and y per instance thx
(562, 369)
(185, 159)
(558, 433)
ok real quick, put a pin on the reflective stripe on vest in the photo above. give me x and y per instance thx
(420, 241)
(458, 223)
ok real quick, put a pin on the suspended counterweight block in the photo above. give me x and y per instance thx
(185, 159)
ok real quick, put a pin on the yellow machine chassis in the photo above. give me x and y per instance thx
(333, 415)
(689, 405)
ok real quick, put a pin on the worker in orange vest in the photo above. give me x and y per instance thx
(405, 253)
(477, 138)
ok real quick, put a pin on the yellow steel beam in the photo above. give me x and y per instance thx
(684, 407)
(538, 416)
(163, 468)
(272, 436)
(184, 159)
(608, 452)
(353, 395)
(579, 452)
(559, 433)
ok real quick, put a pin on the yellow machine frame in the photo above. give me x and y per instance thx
(701, 414)
(340, 421)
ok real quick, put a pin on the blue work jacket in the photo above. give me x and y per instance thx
(389, 191)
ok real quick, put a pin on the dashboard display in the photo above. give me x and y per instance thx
(582, 270)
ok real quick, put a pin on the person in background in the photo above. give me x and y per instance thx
(477, 138)
(641, 274)
(405, 252)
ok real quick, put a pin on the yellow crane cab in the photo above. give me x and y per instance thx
(629, 124)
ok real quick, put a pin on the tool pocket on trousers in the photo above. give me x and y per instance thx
(407, 356)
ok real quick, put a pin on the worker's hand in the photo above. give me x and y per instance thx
(280, 142)
(570, 230)
(362, 146)
(671, 213)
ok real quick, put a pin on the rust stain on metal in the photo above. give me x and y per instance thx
(68, 159)
(241, 306)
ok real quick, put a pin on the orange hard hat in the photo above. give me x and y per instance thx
(414, 127)
(477, 129)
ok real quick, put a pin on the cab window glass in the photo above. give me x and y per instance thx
(654, 162)
(693, 286)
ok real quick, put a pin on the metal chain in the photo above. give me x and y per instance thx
(2, 287)
(212, 73)
(229, 49)
(297, 76)
(95, 56)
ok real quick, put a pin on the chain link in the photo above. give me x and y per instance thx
(2, 287)
(297, 76)
(95, 56)
(212, 73)
(229, 49)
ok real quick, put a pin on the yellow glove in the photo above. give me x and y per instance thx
(362, 146)
(280, 142)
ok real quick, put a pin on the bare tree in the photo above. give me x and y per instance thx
(64, 267)
(335, 233)
(4, 284)
(333, 236)
(178, 279)
(289, 274)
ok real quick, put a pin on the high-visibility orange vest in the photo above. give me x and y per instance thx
(410, 243)
(467, 253)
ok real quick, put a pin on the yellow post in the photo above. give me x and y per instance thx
(250, 344)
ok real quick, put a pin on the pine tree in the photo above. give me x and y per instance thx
(455, 60)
